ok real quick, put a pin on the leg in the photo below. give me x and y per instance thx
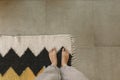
(51, 72)
(67, 72)
(70, 73)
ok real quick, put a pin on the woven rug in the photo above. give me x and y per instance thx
(25, 57)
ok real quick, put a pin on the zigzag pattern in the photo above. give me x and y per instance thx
(28, 59)
(26, 75)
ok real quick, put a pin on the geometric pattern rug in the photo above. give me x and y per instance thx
(25, 57)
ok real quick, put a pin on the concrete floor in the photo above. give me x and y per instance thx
(93, 23)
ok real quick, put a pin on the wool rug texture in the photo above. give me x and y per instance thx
(26, 57)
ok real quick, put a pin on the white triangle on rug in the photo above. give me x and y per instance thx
(35, 43)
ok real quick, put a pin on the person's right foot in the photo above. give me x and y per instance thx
(65, 57)
(53, 56)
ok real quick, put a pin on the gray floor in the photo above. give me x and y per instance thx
(93, 23)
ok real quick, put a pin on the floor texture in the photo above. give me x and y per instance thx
(93, 23)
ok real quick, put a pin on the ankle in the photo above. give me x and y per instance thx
(54, 64)
(64, 65)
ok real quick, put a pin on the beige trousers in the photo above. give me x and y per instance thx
(64, 73)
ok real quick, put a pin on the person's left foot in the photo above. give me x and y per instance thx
(53, 56)
(65, 57)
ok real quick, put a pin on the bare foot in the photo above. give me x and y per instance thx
(65, 56)
(53, 56)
